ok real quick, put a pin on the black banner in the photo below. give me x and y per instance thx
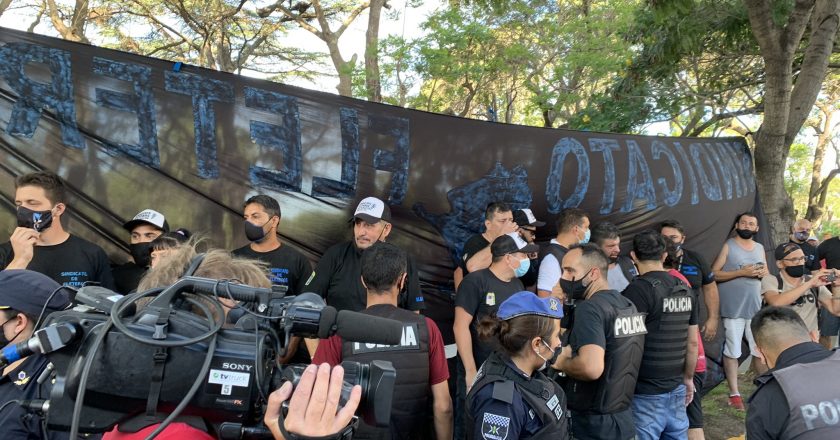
(129, 132)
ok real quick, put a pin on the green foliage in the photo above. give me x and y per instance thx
(798, 175)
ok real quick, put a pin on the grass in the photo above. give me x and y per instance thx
(722, 422)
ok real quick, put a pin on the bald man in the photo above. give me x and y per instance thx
(796, 398)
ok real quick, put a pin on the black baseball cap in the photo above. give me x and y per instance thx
(783, 250)
(27, 291)
(525, 217)
(508, 244)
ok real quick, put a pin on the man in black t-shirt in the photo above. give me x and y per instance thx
(146, 226)
(829, 250)
(41, 244)
(337, 276)
(480, 295)
(498, 220)
(699, 274)
(286, 265)
(601, 360)
(666, 375)
(799, 233)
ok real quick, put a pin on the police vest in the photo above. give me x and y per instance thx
(814, 404)
(553, 249)
(613, 391)
(666, 344)
(543, 396)
(411, 361)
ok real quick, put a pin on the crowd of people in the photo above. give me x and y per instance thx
(571, 339)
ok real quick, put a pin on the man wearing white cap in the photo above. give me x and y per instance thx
(337, 277)
(146, 226)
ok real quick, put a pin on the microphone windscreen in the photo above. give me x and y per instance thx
(326, 322)
(360, 327)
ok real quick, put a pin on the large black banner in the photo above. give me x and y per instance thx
(129, 132)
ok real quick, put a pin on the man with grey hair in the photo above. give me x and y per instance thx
(790, 402)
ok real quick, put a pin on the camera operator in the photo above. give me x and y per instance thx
(25, 294)
(313, 409)
(419, 359)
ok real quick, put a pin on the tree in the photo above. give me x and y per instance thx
(787, 103)
(326, 16)
(824, 124)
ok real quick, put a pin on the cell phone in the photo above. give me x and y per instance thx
(759, 264)
(830, 277)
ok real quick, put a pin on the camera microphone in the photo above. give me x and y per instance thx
(359, 327)
(46, 340)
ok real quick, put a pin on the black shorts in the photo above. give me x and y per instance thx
(694, 410)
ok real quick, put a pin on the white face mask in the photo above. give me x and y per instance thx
(545, 361)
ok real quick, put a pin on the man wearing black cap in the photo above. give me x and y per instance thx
(338, 276)
(40, 242)
(146, 226)
(795, 286)
(24, 294)
(286, 265)
(480, 295)
(528, 224)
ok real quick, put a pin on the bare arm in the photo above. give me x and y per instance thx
(786, 298)
(458, 276)
(712, 298)
(23, 245)
(691, 353)
(463, 340)
(723, 276)
(587, 365)
(442, 409)
(480, 260)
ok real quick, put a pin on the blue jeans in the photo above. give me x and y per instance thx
(661, 416)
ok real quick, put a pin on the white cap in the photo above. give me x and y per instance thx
(149, 216)
(372, 210)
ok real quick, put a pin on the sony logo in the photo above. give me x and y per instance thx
(236, 367)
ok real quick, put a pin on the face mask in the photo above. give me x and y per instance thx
(795, 271)
(548, 361)
(746, 234)
(3, 341)
(524, 265)
(255, 233)
(678, 246)
(574, 288)
(37, 220)
(141, 253)
(586, 236)
(801, 236)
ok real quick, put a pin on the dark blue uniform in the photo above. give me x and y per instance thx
(488, 412)
(21, 383)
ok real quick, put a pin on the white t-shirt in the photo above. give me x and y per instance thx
(550, 271)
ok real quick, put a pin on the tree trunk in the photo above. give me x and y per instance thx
(372, 78)
(823, 128)
(342, 67)
(786, 108)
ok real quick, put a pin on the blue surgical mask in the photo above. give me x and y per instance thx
(524, 265)
(586, 236)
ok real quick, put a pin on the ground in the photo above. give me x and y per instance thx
(721, 421)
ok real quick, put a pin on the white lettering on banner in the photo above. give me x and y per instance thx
(827, 411)
(676, 305)
(630, 325)
(222, 377)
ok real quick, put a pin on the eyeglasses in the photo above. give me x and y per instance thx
(795, 260)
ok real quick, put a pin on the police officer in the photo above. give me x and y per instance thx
(667, 371)
(25, 293)
(511, 397)
(419, 359)
(605, 349)
(797, 398)
(336, 278)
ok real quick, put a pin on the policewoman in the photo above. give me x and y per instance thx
(511, 397)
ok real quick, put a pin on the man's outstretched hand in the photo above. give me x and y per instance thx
(313, 408)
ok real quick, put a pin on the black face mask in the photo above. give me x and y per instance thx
(746, 234)
(3, 341)
(37, 220)
(255, 233)
(142, 253)
(574, 288)
(795, 271)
